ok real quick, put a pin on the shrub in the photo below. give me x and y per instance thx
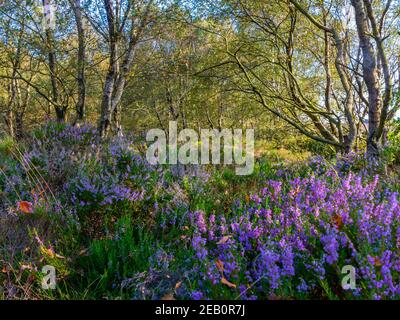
(293, 239)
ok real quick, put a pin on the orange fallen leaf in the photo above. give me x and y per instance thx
(226, 282)
(220, 265)
(378, 262)
(25, 206)
(178, 285)
(4, 270)
(337, 220)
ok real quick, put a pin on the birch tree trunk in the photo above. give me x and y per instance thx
(106, 105)
(371, 78)
(118, 72)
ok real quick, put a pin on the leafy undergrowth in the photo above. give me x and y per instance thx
(115, 227)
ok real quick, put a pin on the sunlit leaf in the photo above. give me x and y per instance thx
(227, 283)
(25, 206)
(178, 285)
(220, 265)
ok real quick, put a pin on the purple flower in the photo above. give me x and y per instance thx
(197, 295)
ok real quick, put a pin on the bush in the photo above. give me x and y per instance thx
(293, 239)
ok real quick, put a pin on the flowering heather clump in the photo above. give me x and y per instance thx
(123, 159)
(118, 176)
(293, 239)
(50, 159)
(102, 190)
(67, 135)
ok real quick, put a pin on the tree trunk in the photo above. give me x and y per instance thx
(51, 54)
(19, 125)
(9, 120)
(117, 120)
(371, 78)
(106, 105)
(80, 104)
(117, 74)
(348, 106)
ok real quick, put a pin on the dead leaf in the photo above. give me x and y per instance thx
(274, 297)
(337, 220)
(226, 282)
(224, 240)
(25, 206)
(168, 296)
(178, 285)
(378, 262)
(220, 265)
(84, 252)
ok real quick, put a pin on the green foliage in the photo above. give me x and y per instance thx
(7, 144)
(391, 153)
(119, 256)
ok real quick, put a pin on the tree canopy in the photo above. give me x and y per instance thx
(328, 70)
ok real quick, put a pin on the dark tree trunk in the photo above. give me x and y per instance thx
(19, 125)
(80, 104)
(51, 54)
